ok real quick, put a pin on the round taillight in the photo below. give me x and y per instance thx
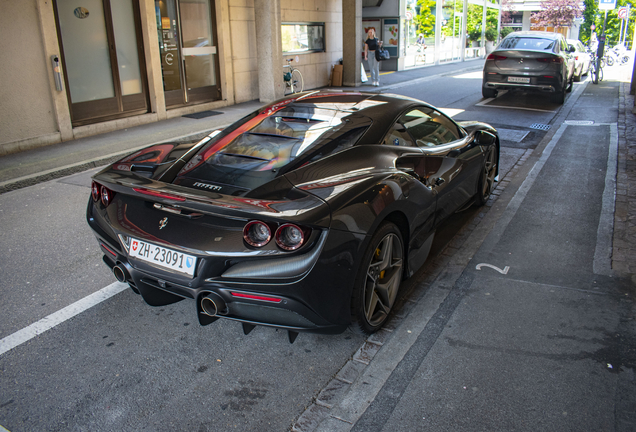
(95, 191)
(257, 233)
(289, 237)
(107, 196)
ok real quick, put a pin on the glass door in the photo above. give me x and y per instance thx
(187, 41)
(102, 56)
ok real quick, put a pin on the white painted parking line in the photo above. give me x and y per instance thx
(47, 323)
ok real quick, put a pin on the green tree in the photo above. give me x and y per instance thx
(589, 18)
(592, 15)
(613, 28)
(425, 19)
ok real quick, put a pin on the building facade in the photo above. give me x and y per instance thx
(84, 67)
(80, 68)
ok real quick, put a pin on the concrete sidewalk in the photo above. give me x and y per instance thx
(46, 163)
(526, 321)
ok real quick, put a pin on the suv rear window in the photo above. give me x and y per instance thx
(533, 43)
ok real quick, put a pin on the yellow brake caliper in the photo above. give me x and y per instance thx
(377, 255)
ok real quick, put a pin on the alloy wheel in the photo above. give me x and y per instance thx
(488, 175)
(383, 279)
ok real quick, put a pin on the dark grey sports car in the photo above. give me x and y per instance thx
(305, 215)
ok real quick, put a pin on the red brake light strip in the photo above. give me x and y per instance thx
(257, 297)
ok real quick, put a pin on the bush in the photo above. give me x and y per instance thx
(505, 31)
(474, 35)
(491, 35)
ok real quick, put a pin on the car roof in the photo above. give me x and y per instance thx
(382, 109)
(537, 34)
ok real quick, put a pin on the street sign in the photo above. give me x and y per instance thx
(409, 15)
(607, 4)
(622, 12)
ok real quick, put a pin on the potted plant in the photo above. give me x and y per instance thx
(491, 37)
(475, 37)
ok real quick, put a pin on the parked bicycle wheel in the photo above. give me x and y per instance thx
(594, 74)
(295, 84)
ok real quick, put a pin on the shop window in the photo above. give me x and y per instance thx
(303, 37)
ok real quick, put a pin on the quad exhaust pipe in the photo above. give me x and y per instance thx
(213, 305)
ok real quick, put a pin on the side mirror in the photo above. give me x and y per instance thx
(571, 49)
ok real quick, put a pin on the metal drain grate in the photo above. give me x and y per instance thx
(539, 126)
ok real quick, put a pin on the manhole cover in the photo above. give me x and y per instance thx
(539, 126)
(579, 122)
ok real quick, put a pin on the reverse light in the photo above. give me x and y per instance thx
(257, 233)
(289, 237)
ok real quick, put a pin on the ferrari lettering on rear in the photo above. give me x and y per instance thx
(207, 186)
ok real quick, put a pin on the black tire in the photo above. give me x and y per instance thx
(577, 76)
(378, 280)
(570, 85)
(610, 61)
(486, 182)
(488, 93)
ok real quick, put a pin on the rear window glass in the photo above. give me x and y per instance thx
(266, 144)
(527, 43)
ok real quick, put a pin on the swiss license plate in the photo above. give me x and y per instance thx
(519, 80)
(163, 257)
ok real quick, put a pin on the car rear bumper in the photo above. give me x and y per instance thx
(505, 85)
(312, 295)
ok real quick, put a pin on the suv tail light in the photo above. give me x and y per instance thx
(550, 60)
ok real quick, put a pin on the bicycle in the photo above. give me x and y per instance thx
(293, 79)
(597, 69)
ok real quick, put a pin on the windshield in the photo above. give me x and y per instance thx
(268, 143)
(531, 43)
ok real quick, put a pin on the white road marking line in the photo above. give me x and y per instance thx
(504, 271)
(47, 323)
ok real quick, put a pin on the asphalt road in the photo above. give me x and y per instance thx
(123, 365)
